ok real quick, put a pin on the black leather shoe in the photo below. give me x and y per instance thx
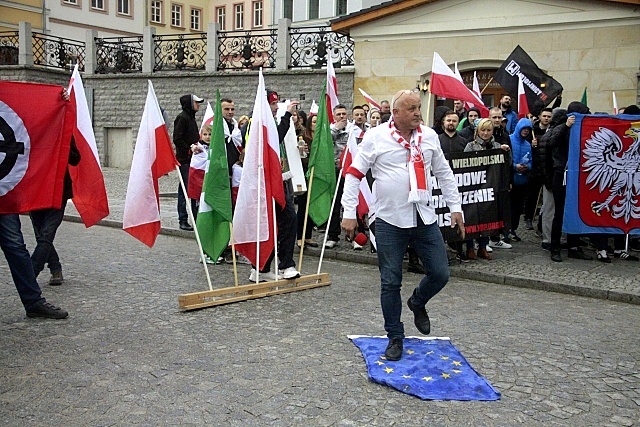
(578, 254)
(394, 349)
(555, 256)
(185, 226)
(47, 310)
(420, 318)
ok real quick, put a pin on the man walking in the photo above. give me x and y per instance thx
(402, 155)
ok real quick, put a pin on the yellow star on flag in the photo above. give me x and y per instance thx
(427, 378)
(455, 362)
(445, 375)
(430, 352)
(406, 376)
(379, 363)
(444, 357)
(410, 351)
(457, 371)
(388, 370)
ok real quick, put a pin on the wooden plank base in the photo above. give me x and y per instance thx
(239, 293)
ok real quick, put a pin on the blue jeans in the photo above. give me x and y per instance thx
(19, 261)
(183, 216)
(45, 224)
(392, 243)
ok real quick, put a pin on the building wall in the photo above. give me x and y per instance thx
(118, 100)
(12, 12)
(165, 26)
(591, 44)
(229, 5)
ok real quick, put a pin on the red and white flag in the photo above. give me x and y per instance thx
(332, 89)
(476, 85)
(207, 119)
(615, 104)
(365, 198)
(445, 83)
(89, 190)
(523, 105)
(153, 157)
(261, 184)
(197, 169)
(36, 125)
(370, 100)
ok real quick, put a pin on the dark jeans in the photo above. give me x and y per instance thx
(559, 196)
(531, 204)
(286, 219)
(301, 201)
(518, 194)
(45, 224)
(392, 243)
(183, 216)
(12, 244)
(334, 225)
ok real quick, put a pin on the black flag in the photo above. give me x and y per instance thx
(537, 85)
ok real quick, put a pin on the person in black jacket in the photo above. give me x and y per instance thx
(559, 142)
(536, 175)
(186, 133)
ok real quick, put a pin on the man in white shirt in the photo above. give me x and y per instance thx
(402, 156)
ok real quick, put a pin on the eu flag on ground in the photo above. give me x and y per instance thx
(430, 368)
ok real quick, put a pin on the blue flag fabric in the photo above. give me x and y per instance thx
(430, 368)
(603, 179)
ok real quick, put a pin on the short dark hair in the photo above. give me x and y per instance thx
(547, 110)
(357, 107)
(339, 106)
(448, 113)
(225, 100)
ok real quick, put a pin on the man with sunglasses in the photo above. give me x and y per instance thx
(402, 156)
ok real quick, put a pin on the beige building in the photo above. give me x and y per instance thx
(13, 12)
(178, 16)
(243, 15)
(581, 43)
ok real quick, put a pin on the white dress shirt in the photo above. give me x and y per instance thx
(389, 164)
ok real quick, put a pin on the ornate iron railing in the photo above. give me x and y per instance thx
(119, 55)
(181, 52)
(57, 52)
(247, 50)
(311, 46)
(9, 47)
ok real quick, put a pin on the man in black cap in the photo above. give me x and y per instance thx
(186, 133)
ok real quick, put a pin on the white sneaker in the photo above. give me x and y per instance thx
(476, 246)
(289, 273)
(356, 246)
(500, 244)
(330, 244)
(207, 259)
(264, 277)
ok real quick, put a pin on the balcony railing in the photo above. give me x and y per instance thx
(9, 47)
(180, 52)
(311, 46)
(247, 50)
(57, 52)
(119, 55)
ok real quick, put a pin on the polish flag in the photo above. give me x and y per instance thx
(523, 105)
(260, 186)
(197, 169)
(615, 104)
(370, 100)
(207, 119)
(365, 197)
(153, 157)
(459, 77)
(476, 85)
(89, 191)
(445, 83)
(332, 89)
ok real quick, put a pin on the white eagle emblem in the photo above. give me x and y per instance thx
(611, 168)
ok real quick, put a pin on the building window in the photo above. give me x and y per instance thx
(123, 7)
(221, 17)
(314, 8)
(176, 15)
(71, 2)
(97, 4)
(195, 19)
(287, 9)
(257, 14)
(341, 7)
(156, 11)
(239, 21)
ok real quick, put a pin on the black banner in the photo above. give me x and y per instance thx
(537, 85)
(483, 183)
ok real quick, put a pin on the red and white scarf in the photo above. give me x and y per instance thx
(419, 189)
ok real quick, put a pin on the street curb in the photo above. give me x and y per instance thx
(481, 276)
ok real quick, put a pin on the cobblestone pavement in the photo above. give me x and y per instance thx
(526, 265)
(127, 356)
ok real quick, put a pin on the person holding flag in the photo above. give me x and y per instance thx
(402, 156)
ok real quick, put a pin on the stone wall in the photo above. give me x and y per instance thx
(118, 100)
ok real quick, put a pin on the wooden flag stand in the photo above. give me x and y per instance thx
(197, 300)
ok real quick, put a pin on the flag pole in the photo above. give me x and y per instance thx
(195, 228)
(429, 95)
(486, 86)
(275, 237)
(233, 255)
(306, 217)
